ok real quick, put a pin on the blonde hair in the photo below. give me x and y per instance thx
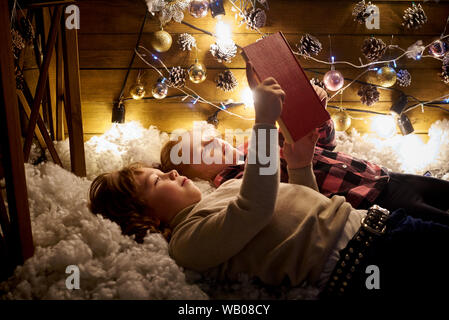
(115, 196)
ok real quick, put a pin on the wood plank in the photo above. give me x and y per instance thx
(113, 51)
(59, 89)
(21, 245)
(73, 100)
(123, 16)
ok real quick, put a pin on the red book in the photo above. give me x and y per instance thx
(302, 110)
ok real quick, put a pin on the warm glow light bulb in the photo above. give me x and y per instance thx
(223, 31)
(247, 97)
(384, 126)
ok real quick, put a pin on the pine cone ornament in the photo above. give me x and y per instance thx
(404, 78)
(309, 45)
(226, 81)
(177, 77)
(255, 19)
(186, 41)
(223, 52)
(414, 17)
(17, 43)
(26, 30)
(368, 94)
(318, 83)
(359, 12)
(373, 48)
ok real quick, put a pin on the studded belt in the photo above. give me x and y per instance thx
(373, 225)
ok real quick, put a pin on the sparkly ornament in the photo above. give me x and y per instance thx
(386, 76)
(186, 41)
(333, 80)
(309, 45)
(368, 94)
(438, 48)
(17, 43)
(137, 91)
(342, 121)
(197, 72)
(199, 8)
(177, 77)
(223, 51)
(160, 89)
(360, 12)
(414, 17)
(415, 51)
(226, 81)
(161, 41)
(173, 9)
(404, 78)
(373, 48)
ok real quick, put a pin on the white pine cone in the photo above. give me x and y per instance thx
(373, 48)
(186, 41)
(255, 18)
(414, 17)
(177, 77)
(309, 45)
(223, 52)
(404, 78)
(226, 81)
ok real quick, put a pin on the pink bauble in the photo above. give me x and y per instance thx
(198, 8)
(333, 80)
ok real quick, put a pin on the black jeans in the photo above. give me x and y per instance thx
(422, 197)
(411, 258)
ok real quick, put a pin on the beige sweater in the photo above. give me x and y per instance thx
(261, 227)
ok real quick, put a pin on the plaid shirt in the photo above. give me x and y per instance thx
(360, 181)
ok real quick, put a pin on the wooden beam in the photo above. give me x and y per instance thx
(41, 82)
(59, 89)
(22, 239)
(73, 100)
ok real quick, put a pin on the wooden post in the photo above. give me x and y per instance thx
(59, 89)
(73, 100)
(21, 245)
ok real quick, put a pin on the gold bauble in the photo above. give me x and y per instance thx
(160, 89)
(197, 72)
(137, 91)
(161, 41)
(386, 76)
(342, 121)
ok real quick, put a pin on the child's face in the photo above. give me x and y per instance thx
(166, 193)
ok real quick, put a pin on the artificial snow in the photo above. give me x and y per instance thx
(114, 266)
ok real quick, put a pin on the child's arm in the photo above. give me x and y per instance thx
(212, 236)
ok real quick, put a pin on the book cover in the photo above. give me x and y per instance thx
(302, 110)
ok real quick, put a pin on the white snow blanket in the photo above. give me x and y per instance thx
(113, 266)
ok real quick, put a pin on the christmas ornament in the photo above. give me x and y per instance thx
(373, 48)
(197, 72)
(17, 43)
(333, 80)
(309, 45)
(414, 17)
(137, 91)
(226, 81)
(386, 76)
(360, 13)
(223, 51)
(255, 19)
(404, 78)
(172, 9)
(26, 30)
(342, 121)
(368, 94)
(160, 89)
(415, 51)
(186, 41)
(161, 41)
(177, 77)
(199, 8)
(438, 48)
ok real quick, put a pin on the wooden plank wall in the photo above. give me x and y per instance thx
(109, 30)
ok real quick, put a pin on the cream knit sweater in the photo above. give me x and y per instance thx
(261, 227)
